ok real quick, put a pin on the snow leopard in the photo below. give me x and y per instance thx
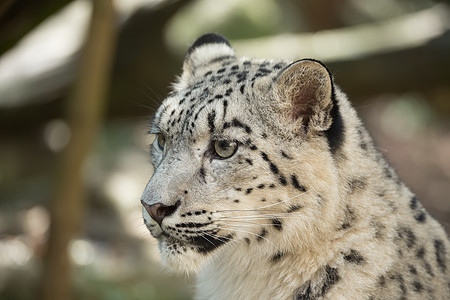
(268, 186)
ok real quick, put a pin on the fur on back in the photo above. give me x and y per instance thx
(272, 189)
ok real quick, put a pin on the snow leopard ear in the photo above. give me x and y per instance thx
(305, 90)
(206, 49)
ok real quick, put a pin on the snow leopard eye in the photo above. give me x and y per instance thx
(225, 149)
(161, 141)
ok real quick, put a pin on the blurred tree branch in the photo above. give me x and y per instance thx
(320, 14)
(18, 17)
(143, 65)
(85, 109)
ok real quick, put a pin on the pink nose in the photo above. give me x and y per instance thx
(159, 211)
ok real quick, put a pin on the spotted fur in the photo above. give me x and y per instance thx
(302, 207)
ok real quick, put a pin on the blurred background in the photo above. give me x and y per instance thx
(79, 80)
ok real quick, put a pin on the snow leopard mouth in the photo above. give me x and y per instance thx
(202, 243)
(197, 236)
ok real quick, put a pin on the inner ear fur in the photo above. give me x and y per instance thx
(305, 89)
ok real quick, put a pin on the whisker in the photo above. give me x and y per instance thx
(208, 240)
(248, 225)
(257, 235)
(266, 216)
(261, 207)
(214, 236)
(152, 98)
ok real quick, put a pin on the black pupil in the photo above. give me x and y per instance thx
(224, 145)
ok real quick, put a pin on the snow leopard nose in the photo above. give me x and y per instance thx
(159, 211)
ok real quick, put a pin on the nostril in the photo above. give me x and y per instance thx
(159, 211)
(168, 210)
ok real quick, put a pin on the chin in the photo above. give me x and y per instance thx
(183, 259)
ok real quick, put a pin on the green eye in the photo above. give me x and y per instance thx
(161, 141)
(225, 149)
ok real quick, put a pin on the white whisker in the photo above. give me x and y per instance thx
(257, 235)
(261, 207)
(266, 216)
(208, 239)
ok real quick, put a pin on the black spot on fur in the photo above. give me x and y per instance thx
(417, 287)
(388, 172)
(202, 173)
(237, 123)
(362, 139)
(356, 184)
(420, 252)
(413, 203)
(412, 269)
(294, 207)
(249, 161)
(247, 240)
(236, 201)
(285, 155)
(242, 77)
(408, 235)
(305, 293)
(198, 112)
(296, 184)
(283, 180)
(261, 235)
(428, 268)
(273, 168)
(354, 257)
(264, 156)
(381, 281)
(277, 224)
(315, 291)
(249, 190)
(278, 66)
(439, 249)
(401, 282)
(261, 186)
(331, 278)
(277, 256)
(225, 106)
(241, 89)
(379, 229)
(349, 218)
(192, 224)
(420, 216)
